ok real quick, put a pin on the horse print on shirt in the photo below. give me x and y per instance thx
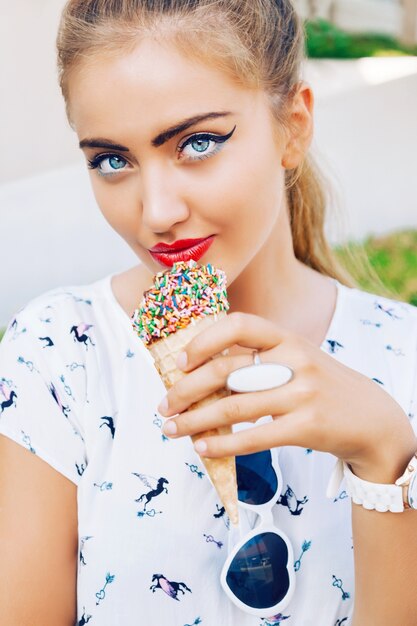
(109, 422)
(289, 500)
(84, 618)
(156, 487)
(9, 395)
(80, 335)
(172, 589)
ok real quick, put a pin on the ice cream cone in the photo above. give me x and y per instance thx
(182, 302)
(222, 472)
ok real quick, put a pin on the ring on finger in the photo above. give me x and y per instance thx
(259, 376)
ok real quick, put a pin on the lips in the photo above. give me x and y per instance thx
(182, 250)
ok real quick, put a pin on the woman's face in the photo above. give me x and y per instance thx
(221, 176)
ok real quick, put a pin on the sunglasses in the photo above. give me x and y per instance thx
(258, 575)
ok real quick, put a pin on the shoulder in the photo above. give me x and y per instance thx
(58, 307)
(378, 336)
(372, 309)
(59, 328)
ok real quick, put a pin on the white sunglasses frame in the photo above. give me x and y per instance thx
(266, 525)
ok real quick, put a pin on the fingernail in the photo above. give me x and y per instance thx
(200, 446)
(163, 407)
(170, 428)
(182, 360)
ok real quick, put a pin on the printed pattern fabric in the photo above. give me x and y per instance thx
(78, 389)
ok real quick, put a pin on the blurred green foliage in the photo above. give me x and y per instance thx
(325, 40)
(394, 260)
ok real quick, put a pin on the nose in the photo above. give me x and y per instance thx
(163, 203)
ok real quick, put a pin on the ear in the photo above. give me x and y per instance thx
(300, 126)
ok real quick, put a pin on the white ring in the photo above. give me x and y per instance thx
(259, 376)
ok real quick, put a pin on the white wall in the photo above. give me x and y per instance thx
(35, 135)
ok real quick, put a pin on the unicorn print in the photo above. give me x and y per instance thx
(10, 398)
(80, 334)
(195, 622)
(153, 491)
(109, 422)
(52, 390)
(84, 618)
(170, 588)
(340, 622)
(289, 500)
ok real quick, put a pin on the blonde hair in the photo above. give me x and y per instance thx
(259, 43)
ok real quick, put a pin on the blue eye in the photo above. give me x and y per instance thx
(107, 164)
(203, 145)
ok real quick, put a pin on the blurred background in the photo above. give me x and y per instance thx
(362, 65)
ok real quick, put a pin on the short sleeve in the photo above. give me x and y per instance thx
(42, 394)
(412, 412)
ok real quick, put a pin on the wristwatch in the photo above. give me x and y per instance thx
(395, 498)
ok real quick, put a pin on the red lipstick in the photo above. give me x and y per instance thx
(181, 250)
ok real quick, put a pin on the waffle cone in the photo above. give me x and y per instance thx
(222, 472)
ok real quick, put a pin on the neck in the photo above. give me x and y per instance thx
(277, 286)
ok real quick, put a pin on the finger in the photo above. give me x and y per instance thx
(250, 331)
(201, 383)
(284, 431)
(242, 407)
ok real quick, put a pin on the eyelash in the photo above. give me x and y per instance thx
(96, 161)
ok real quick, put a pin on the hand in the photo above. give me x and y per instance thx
(326, 406)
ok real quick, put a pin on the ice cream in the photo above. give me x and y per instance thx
(182, 302)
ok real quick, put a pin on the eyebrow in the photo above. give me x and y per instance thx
(160, 139)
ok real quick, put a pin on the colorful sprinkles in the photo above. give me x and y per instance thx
(184, 293)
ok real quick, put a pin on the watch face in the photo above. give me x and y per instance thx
(412, 491)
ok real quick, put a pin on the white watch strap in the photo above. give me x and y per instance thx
(371, 496)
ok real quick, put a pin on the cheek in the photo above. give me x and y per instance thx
(117, 204)
(248, 192)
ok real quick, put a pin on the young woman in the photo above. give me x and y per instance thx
(195, 124)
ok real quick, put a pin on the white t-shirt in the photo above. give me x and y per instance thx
(78, 388)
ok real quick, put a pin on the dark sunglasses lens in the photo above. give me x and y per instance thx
(258, 575)
(256, 478)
